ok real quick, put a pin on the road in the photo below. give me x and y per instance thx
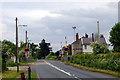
(54, 70)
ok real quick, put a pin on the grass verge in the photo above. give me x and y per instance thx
(11, 74)
(93, 69)
(33, 76)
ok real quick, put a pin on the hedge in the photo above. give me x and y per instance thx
(110, 61)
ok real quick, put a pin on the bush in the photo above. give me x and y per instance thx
(11, 64)
(99, 47)
(109, 61)
(51, 56)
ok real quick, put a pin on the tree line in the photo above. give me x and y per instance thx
(8, 50)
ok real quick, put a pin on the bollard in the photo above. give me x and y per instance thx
(22, 76)
(29, 73)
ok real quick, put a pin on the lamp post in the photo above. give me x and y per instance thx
(74, 32)
(17, 52)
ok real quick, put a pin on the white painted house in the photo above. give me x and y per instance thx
(82, 45)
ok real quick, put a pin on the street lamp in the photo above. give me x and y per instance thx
(23, 25)
(17, 52)
(74, 32)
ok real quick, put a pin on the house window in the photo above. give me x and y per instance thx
(85, 46)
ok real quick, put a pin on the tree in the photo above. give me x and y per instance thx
(99, 47)
(44, 49)
(21, 49)
(8, 50)
(115, 37)
(70, 51)
(33, 49)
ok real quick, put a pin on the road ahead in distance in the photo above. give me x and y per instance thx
(54, 70)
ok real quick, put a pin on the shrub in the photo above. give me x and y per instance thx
(99, 47)
(109, 61)
(11, 64)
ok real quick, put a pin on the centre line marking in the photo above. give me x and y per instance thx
(58, 68)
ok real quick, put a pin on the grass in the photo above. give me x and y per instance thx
(12, 64)
(11, 74)
(93, 69)
(33, 76)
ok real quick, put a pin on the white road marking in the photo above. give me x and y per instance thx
(58, 69)
(61, 70)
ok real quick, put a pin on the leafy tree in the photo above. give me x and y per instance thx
(115, 37)
(33, 49)
(44, 49)
(99, 47)
(22, 45)
(21, 49)
(57, 53)
(8, 50)
(70, 51)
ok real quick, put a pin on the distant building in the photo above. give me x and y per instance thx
(82, 45)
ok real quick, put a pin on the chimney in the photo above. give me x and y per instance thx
(77, 36)
(86, 36)
(92, 37)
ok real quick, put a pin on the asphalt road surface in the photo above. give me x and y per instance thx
(54, 70)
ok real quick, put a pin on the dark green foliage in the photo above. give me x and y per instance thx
(70, 51)
(109, 61)
(50, 55)
(57, 53)
(33, 49)
(115, 37)
(53, 56)
(44, 49)
(11, 64)
(8, 50)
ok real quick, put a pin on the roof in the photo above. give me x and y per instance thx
(75, 42)
(88, 40)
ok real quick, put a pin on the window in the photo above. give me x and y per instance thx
(85, 46)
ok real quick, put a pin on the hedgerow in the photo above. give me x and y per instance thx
(110, 61)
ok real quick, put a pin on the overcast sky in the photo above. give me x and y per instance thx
(53, 20)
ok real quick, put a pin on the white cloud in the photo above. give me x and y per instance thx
(59, 1)
(59, 31)
(56, 46)
(31, 15)
(54, 21)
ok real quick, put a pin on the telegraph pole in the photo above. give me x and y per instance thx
(26, 37)
(17, 58)
(98, 32)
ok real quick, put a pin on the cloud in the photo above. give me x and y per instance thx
(59, 1)
(54, 21)
(59, 31)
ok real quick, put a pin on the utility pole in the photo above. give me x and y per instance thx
(17, 52)
(26, 37)
(98, 32)
(74, 32)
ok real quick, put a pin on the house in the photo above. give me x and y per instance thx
(82, 45)
(76, 46)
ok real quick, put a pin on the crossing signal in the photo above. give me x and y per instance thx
(66, 49)
(26, 50)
